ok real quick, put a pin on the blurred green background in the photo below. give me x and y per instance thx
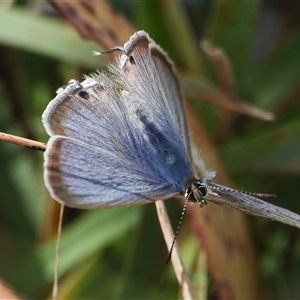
(119, 253)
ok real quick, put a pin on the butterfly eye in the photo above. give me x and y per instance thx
(202, 188)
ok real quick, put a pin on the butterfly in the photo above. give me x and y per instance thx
(120, 138)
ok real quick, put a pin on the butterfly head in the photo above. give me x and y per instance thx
(195, 191)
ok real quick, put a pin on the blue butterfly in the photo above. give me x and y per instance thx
(120, 138)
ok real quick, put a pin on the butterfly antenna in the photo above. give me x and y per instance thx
(96, 53)
(259, 195)
(177, 231)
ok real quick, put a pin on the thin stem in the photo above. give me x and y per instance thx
(17, 140)
(57, 249)
(181, 274)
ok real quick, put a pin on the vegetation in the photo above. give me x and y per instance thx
(119, 253)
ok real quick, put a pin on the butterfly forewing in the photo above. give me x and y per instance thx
(230, 198)
(146, 65)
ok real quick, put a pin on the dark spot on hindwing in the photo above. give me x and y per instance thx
(131, 60)
(83, 94)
